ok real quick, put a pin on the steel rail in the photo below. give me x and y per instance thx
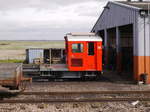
(74, 100)
(81, 92)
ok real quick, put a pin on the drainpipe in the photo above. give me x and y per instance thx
(143, 76)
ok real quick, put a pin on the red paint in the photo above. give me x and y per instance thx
(89, 62)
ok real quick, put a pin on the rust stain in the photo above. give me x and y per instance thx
(141, 65)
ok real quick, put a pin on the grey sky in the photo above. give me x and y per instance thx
(47, 19)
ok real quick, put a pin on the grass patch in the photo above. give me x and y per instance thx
(22, 45)
(11, 61)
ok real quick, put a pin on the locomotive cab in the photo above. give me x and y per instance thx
(83, 52)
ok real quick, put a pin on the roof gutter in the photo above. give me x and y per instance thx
(125, 5)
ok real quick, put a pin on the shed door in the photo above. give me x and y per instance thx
(91, 65)
(77, 56)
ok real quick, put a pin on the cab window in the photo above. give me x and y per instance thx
(91, 48)
(77, 48)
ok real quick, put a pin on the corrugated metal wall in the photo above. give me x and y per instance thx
(115, 15)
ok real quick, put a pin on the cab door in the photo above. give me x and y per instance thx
(77, 56)
(91, 61)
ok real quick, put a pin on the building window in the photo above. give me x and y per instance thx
(77, 48)
(91, 48)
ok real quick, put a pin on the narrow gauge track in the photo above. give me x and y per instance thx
(90, 99)
(74, 100)
(82, 92)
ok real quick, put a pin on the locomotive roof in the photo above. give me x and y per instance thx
(83, 37)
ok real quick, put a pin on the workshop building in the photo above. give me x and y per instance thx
(125, 29)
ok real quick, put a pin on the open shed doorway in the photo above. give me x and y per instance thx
(126, 44)
(111, 42)
(101, 34)
(109, 51)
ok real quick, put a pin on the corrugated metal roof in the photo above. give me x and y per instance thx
(142, 5)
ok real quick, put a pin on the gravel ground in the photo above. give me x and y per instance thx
(77, 107)
(83, 86)
(115, 83)
(108, 81)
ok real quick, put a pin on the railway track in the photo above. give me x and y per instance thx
(67, 97)
(82, 92)
(74, 100)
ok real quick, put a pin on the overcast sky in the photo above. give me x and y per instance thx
(47, 19)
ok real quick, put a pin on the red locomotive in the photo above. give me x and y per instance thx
(83, 58)
(84, 52)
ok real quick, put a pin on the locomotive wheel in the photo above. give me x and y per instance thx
(98, 76)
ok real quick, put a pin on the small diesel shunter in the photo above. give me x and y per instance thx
(83, 55)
